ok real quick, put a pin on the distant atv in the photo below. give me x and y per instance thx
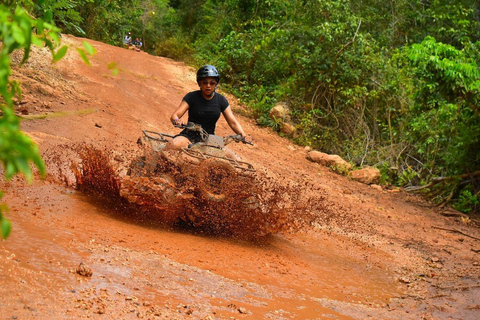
(191, 183)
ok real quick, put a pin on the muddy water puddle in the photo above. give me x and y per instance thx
(285, 276)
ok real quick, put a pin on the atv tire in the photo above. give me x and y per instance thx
(216, 179)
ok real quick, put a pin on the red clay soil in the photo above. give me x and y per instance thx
(370, 253)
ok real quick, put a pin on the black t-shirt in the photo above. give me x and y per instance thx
(205, 112)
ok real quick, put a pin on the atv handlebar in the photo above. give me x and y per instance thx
(237, 138)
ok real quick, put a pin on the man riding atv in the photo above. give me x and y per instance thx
(204, 107)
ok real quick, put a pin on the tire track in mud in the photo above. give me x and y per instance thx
(251, 209)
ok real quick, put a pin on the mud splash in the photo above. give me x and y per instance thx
(250, 207)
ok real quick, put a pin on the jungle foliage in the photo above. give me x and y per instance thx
(391, 84)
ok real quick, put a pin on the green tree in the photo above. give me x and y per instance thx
(444, 118)
(445, 115)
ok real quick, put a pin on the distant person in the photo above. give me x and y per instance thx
(204, 107)
(137, 43)
(128, 39)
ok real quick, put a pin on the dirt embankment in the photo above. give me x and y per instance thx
(365, 253)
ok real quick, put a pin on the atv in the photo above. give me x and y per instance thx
(188, 182)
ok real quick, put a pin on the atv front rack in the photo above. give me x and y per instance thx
(243, 166)
(158, 136)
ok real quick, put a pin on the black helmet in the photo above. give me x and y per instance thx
(208, 71)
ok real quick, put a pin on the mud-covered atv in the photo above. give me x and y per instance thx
(208, 160)
(196, 184)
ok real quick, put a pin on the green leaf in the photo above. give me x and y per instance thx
(23, 167)
(90, 49)
(112, 66)
(37, 41)
(5, 227)
(60, 53)
(84, 57)
(48, 16)
(18, 34)
(10, 169)
(40, 26)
